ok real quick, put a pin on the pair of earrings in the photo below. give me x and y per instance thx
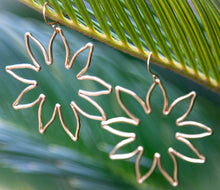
(106, 123)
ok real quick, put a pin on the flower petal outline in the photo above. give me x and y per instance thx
(180, 122)
(130, 137)
(132, 119)
(48, 58)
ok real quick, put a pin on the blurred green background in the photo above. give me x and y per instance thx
(29, 160)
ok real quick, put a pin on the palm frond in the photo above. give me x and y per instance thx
(183, 35)
(53, 160)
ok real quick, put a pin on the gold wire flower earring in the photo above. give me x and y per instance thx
(48, 57)
(133, 120)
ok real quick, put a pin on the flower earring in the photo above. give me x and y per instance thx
(48, 57)
(135, 121)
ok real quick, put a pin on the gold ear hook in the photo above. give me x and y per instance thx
(155, 77)
(45, 18)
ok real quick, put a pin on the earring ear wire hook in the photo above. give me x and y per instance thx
(45, 18)
(155, 77)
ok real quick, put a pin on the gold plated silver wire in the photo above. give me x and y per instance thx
(133, 120)
(48, 57)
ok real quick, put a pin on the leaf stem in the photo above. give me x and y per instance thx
(129, 49)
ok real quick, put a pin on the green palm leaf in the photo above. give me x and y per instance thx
(183, 35)
(29, 160)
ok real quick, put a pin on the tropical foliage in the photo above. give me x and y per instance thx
(183, 35)
(184, 38)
